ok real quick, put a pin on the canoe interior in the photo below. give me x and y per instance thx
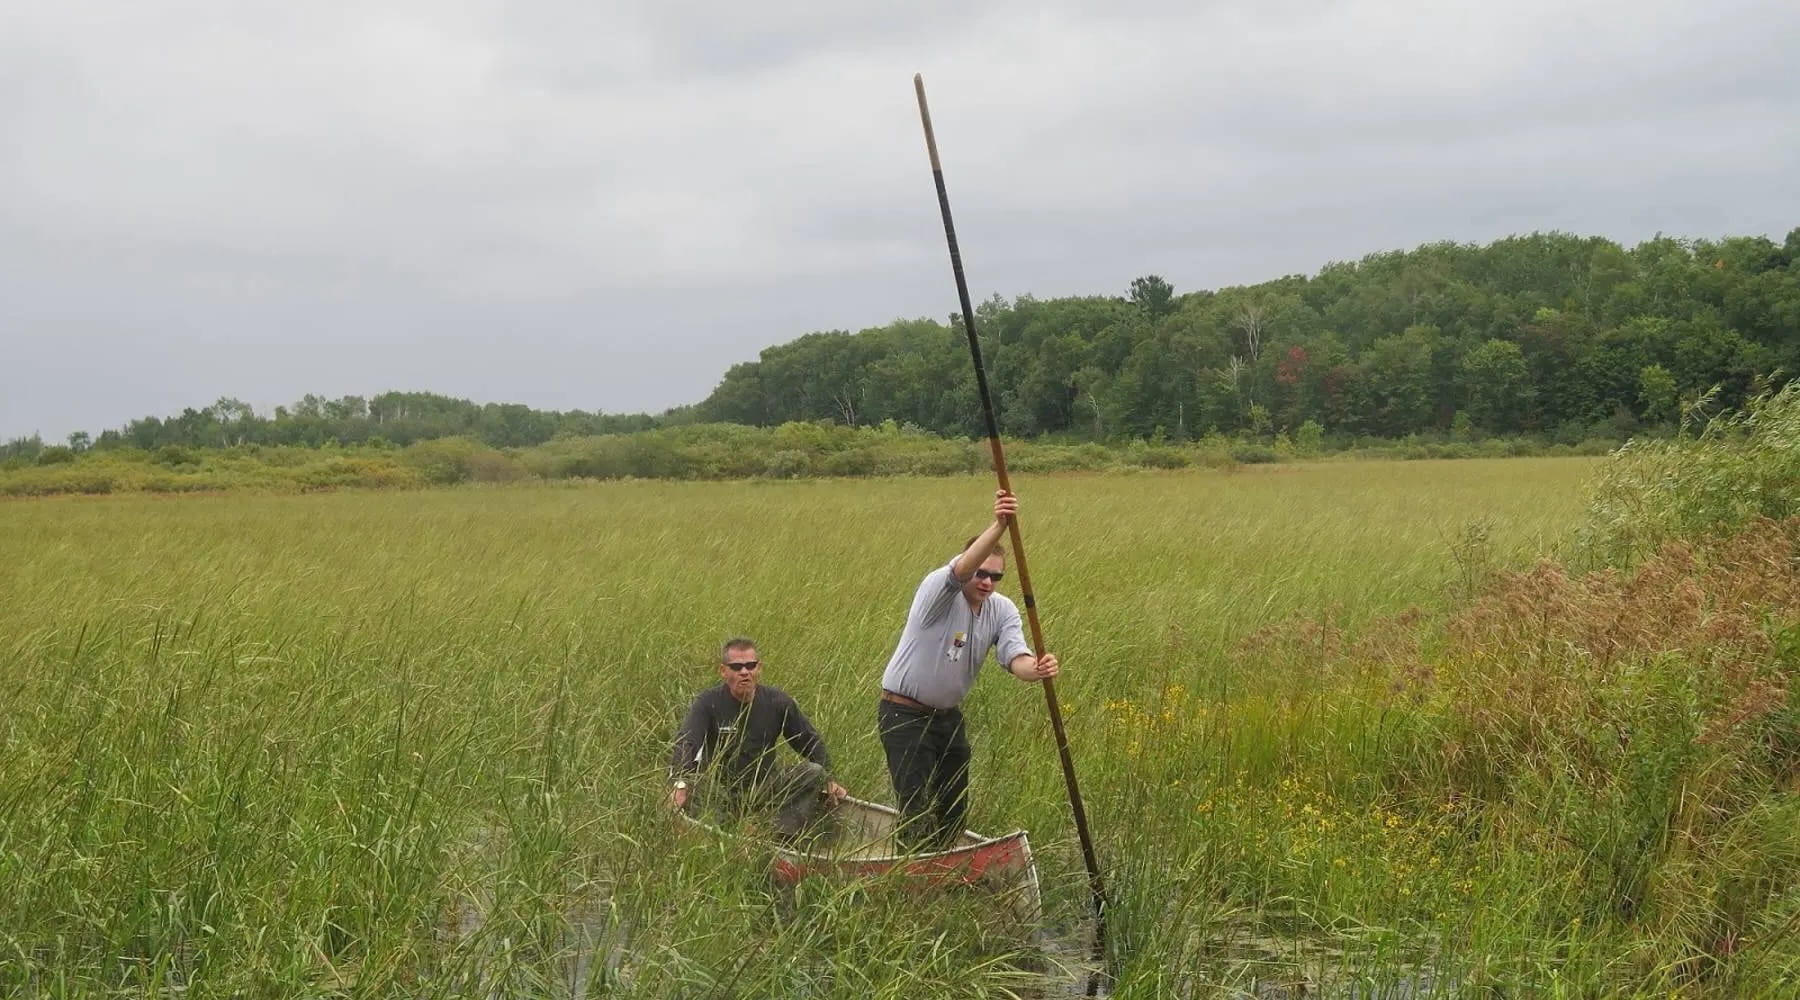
(863, 831)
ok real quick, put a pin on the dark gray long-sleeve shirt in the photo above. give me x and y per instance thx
(737, 741)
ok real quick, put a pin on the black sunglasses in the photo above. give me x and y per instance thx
(982, 574)
(742, 665)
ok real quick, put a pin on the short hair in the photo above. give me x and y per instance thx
(735, 642)
(999, 550)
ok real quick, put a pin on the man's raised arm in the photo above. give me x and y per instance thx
(1005, 506)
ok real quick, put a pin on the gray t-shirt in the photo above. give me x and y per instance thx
(945, 643)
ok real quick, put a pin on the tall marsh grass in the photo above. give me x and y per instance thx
(1721, 472)
(411, 744)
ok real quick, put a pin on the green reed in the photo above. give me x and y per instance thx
(413, 743)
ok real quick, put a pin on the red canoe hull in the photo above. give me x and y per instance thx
(861, 844)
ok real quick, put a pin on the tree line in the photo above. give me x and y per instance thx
(390, 418)
(1548, 334)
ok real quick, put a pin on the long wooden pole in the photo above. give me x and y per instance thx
(1018, 543)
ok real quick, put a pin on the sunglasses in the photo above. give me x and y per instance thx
(982, 574)
(742, 665)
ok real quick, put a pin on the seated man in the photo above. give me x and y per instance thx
(725, 749)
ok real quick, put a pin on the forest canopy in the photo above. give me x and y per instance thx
(1549, 334)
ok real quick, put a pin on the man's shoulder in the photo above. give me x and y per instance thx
(942, 573)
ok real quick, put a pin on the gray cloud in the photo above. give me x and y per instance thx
(604, 206)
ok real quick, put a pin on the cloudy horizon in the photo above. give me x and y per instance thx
(602, 208)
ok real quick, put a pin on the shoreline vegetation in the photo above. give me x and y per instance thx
(700, 452)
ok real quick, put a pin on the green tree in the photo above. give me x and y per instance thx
(1394, 382)
(1090, 386)
(233, 415)
(1152, 294)
(1497, 386)
(1310, 438)
(1658, 395)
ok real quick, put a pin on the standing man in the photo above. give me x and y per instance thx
(724, 753)
(956, 618)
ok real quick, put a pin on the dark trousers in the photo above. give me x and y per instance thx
(928, 760)
(794, 795)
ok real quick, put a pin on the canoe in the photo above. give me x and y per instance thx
(856, 840)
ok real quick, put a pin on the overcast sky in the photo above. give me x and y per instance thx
(603, 205)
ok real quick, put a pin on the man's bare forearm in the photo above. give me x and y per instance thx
(1029, 668)
(978, 551)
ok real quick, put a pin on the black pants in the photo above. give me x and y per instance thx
(928, 760)
(794, 796)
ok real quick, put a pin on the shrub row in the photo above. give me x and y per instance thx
(694, 452)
